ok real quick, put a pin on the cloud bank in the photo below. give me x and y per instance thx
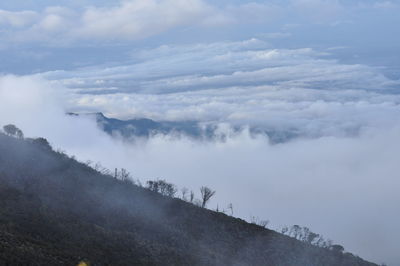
(128, 20)
(314, 76)
(68, 23)
(342, 187)
(299, 92)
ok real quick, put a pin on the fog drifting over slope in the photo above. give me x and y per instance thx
(324, 72)
(345, 187)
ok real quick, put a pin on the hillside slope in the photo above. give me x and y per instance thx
(56, 211)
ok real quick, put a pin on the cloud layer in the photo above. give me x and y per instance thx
(128, 20)
(300, 92)
(342, 187)
(323, 75)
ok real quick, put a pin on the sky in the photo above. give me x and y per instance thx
(324, 71)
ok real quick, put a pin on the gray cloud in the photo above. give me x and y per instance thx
(129, 20)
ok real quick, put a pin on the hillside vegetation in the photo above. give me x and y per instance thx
(57, 211)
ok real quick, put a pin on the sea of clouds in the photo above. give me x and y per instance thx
(300, 92)
(297, 68)
(338, 175)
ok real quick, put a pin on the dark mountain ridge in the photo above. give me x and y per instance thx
(57, 211)
(144, 127)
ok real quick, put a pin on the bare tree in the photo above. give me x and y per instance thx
(320, 241)
(295, 231)
(206, 194)
(263, 223)
(101, 169)
(306, 235)
(259, 222)
(230, 207)
(184, 193)
(124, 175)
(191, 196)
(312, 237)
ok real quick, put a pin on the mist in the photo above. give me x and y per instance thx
(322, 77)
(343, 187)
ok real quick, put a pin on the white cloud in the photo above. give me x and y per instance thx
(342, 187)
(344, 117)
(131, 20)
(37, 107)
(385, 4)
(275, 35)
(141, 18)
(254, 12)
(128, 20)
(295, 91)
(17, 19)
